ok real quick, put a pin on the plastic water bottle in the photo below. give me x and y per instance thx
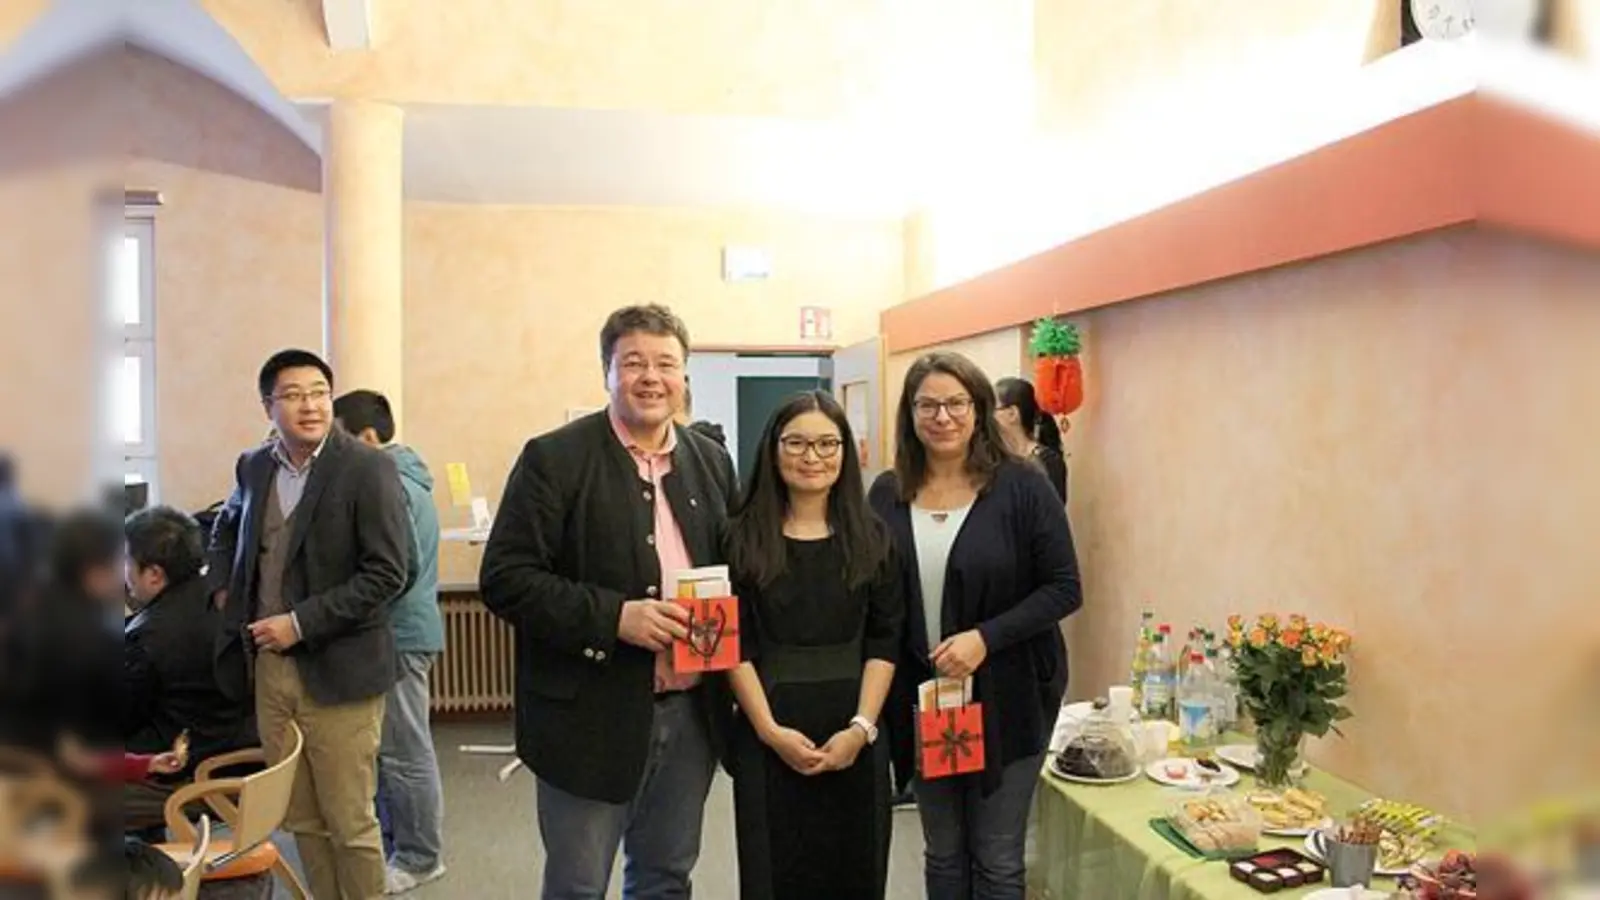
(1197, 706)
(1160, 678)
(1141, 658)
(1226, 696)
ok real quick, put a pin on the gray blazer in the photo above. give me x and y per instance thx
(348, 555)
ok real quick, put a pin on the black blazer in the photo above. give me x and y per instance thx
(572, 541)
(171, 680)
(348, 554)
(1013, 576)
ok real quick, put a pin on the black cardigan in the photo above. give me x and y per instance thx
(574, 539)
(1013, 576)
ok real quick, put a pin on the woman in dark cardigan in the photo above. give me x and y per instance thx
(989, 571)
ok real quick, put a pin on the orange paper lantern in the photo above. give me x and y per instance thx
(1058, 384)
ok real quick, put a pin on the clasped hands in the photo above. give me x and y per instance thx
(802, 754)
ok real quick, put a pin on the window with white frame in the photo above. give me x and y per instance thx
(133, 378)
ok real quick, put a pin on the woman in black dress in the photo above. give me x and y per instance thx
(989, 572)
(1029, 432)
(820, 618)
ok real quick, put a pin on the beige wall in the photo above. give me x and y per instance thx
(504, 307)
(1399, 441)
(49, 330)
(16, 16)
(47, 334)
(238, 248)
(817, 59)
(238, 269)
(1576, 28)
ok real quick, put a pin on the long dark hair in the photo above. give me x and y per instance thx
(1018, 393)
(756, 548)
(986, 451)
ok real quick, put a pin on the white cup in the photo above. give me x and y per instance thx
(1153, 740)
(1120, 699)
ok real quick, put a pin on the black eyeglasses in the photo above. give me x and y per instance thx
(297, 397)
(797, 445)
(956, 407)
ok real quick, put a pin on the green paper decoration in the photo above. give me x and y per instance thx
(1052, 337)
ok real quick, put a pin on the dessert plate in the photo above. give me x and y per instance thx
(1178, 771)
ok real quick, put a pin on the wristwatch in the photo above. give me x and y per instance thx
(867, 728)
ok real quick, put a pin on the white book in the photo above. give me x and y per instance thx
(703, 582)
(944, 693)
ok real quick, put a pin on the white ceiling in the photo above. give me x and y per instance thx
(577, 157)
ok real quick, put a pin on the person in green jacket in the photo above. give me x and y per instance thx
(410, 796)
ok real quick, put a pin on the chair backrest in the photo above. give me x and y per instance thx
(196, 869)
(264, 799)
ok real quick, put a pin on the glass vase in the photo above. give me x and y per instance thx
(1276, 758)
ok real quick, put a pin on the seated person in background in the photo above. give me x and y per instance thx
(20, 542)
(168, 672)
(60, 656)
(62, 676)
(122, 768)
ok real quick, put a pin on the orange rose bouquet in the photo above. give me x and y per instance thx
(1292, 677)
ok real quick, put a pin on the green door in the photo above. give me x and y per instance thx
(759, 398)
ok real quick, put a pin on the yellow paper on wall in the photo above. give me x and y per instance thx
(460, 486)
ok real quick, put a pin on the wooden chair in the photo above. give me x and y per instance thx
(44, 831)
(253, 807)
(195, 870)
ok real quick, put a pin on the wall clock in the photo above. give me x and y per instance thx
(1445, 20)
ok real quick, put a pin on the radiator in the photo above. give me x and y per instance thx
(476, 672)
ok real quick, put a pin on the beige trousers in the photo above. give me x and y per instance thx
(331, 812)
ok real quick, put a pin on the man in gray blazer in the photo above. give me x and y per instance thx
(305, 559)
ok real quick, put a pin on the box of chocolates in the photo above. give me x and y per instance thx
(1276, 870)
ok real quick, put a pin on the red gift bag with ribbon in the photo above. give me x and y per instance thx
(713, 642)
(950, 741)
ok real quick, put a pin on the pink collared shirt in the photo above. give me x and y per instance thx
(671, 551)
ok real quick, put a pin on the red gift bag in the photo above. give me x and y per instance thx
(950, 741)
(713, 643)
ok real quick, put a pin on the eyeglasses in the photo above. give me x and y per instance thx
(635, 366)
(300, 398)
(957, 407)
(797, 445)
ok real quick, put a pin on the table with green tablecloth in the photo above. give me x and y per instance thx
(1094, 842)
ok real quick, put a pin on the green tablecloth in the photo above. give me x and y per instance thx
(1095, 843)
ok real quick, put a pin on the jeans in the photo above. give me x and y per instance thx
(659, 831)
(975, 844)
(410, 798)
